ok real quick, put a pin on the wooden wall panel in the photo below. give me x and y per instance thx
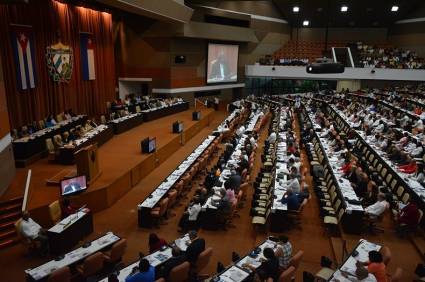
(164, 152)
(118, 188)
(147, 166)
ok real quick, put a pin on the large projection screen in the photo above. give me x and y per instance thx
(222, 63)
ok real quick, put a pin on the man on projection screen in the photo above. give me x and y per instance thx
(219, 68)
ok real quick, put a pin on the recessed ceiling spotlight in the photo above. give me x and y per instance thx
(344, 8)
(295, 9)
(306, 23)
(394, 8)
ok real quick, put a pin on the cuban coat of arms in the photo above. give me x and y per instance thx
(60, 62)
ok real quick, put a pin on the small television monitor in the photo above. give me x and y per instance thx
(196, 115)
(177, 127)
(73, 185)
(152, 145)
(148, 145)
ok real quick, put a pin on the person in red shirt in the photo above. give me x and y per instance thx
(408, 217)
(68, 208)
(376, 266)
(409, 168)
(155, 243)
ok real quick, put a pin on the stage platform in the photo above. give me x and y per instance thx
(122, 165)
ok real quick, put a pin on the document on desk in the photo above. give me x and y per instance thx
(66, 222)
(234, 274)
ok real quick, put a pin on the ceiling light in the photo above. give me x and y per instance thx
(295, 9)
(306, 23)
(344, 8)
(394, 8)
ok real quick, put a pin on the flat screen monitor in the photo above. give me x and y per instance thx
(222, 63)
(152, 145)
(73, 185)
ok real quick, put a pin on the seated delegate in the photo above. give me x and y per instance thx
(268, 268)
(195, 247)
(142, 273)
(33, 231)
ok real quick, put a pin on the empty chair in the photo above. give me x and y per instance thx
(386, 255)
(203, 260)
(91, 265)
(179, 273)
(115, 254)
(158, 212)
(62, 274)
(41, 124)
(50, 150)
(286, 276)
(55, 212)
(102, 119)
(296, 259)
(59, 117)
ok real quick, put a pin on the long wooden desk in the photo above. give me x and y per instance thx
(349, 266)
(27, 147)
(100, 135)
(42, 272)
(69, 231)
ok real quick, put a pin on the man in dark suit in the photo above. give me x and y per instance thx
(177, 259)
(196, 246)
(219, 68)
(235, 180)
(243, 163)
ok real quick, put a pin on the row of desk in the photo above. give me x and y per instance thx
(145, 207)
(366, 146)
(209, 212)
(43, 271)
(236, 272)
(64, 235)
(130, 121)
(26, 147)
(352, 217)
(99, 135)
(348, 267)
(156, 259)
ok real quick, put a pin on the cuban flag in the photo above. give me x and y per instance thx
(87, 56)
(23, 49)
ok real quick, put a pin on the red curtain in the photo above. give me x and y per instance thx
(52, 21)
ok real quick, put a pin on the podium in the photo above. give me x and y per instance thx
(87, 161)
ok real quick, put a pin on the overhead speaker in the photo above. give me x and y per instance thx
(325, 68)
(180, 59)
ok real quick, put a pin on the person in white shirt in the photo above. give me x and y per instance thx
(272, 138)
(418, 126)
(404, 121)
(378, 208)
(240, 131)
(190, 216)
(34, 232)
(294, 184)
(419, 175)
(417, 151)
